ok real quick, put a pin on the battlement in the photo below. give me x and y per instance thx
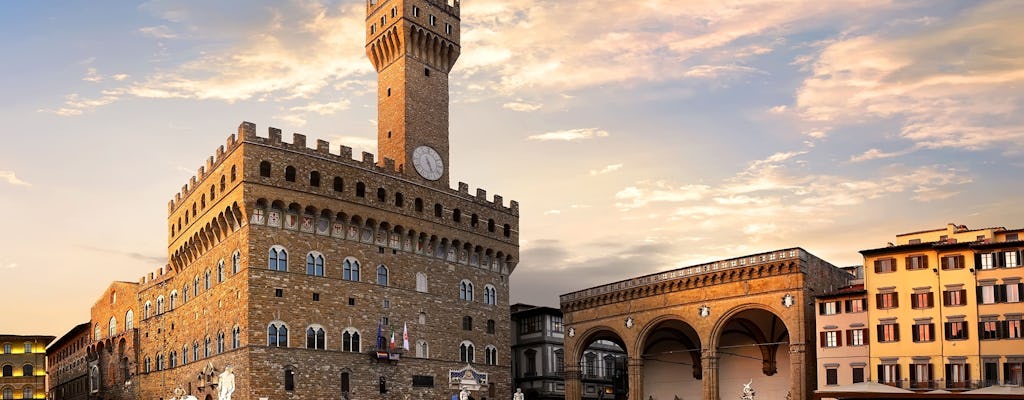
(247, 134)
(449, 6)
(159, 275)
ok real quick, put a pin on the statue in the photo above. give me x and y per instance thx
(518, 395)
(463, 395)
(748, 392)
(227, 383)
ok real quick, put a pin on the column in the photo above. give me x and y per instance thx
(635, 369)
(798, 370)
(710, 379)
(573, 389)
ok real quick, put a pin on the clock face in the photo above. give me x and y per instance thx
(428, 163)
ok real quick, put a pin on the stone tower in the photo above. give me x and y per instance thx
(413, 44)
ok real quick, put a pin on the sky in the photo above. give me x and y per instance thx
(637, 136)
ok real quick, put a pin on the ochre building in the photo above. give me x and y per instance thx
(706, 331)
(295, 264)
(944, 309)
(23, 366)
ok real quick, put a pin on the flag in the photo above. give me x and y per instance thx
(380, 336)
(405, 336)
(392, 338)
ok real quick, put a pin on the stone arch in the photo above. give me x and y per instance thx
(758, 335)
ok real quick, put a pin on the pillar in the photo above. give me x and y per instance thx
(710, 379)
(573, 388)
(798, 370)
(635, 369)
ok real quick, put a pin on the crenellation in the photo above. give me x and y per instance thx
(191, 184)
(274, 135)
(346, 152)
(389, 164)
(299, 140)
(499, 200)
(481, 194)
(514, 207)
(201, 173)
(209, 163)
(219, 154)
(368, 158)
(246, 131)
(323, 146)
(463, 188)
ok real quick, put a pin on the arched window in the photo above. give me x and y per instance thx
(224, 182)
(590, 364)
(339, 184)
(422, 349)
(8, 370)
(507, 231)
(265, 168)
(236, 262)
(350, 270)
(314, 264)
(146, 312)
(27, 370)
(184, 357)
(160, 305)
(7, 346)
(399, 200)
(146, 365)
(418, 205)
(474, 220)
(112, 328)
(172, 359)
(234, 173)
(195, 350)
(491, 355)
(350, 340)
(195, 286)
(289, 173)
(382, 275)
(490, 225)
(345, 384)
(467, 323)
(360, 189)
(236, 337)
(467, 352)
(278, 260)
(27, 392)
(207, 280)
(277, 335)
(220, 342)
(381, 195)
(490, 295)
(490, 326)
(438, 210)
(220, 271)
(314, 179)
(456, 215)
(422, 318)
(421, 282)
(466, 290)
(174, 300)
(289, 379)
(213, 192)
(8, 393)
(129, 320)
(315, 337)
(206, 347)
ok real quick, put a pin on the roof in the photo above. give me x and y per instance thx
(70, 335)
(522, 310)
(844, 291)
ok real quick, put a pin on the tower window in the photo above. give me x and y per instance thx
(360, 189)
(389, 134)
(382, 21)
(394, 12)
(457, 215)
(419, 205)
(399, 200)
(433, 20)
(448, 28)
(289, 173)
(415, 11)
(314, 179)
(389, 92)
(373, 29)
(265, 168)
(426, 71)
(339, 184)
(381, 194)
(438, 210)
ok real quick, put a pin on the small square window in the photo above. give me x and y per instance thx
(426, 71)
(387, 303)
(380, 249)
(316, 296)
(278, 292)
(351, 301)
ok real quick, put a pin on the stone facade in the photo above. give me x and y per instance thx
(708, 328)
(285, 260)
(23, 363)
(67, 365)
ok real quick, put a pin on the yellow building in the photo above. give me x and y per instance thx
(23, 366)
(928, 292)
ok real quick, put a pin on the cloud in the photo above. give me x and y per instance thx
(151, 259)
(76, 105)
(8, 265)
(92, 76)
(324, 108)
(552, 212)
(874, 154)
(158, 32)
(950, 85)
(570, 135)
(521, 106)
(12, 179)
(606, 169)
(358, 144)
(647, 192)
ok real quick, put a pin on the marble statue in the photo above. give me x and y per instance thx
(748, 392)
(518, 395)
(227, 383)
(463, 395)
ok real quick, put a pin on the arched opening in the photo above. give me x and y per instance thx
(672, 360)
(753, 347)
(602, 361)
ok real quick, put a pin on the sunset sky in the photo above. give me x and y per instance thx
(637, 136)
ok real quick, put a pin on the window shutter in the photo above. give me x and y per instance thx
(1000, 293)
(967, 373)
(821, 308)
(866, 338)
(880, 332)
(979, 295)
(981, 330)
(977, 260)
(849, 337)
(848, 305)
(1000, 260)
(1004, 329)
(895, 300)
(899, 375)
(822, 339)
(931, 299)
(924, 261)
(896, 330)
(878, 300)
(878, 266)
(931, 331)
(914, 336)
(947, 330)
(881, 375)
(839, 338)
(963, 295)
(907, 263)
(945, 298)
